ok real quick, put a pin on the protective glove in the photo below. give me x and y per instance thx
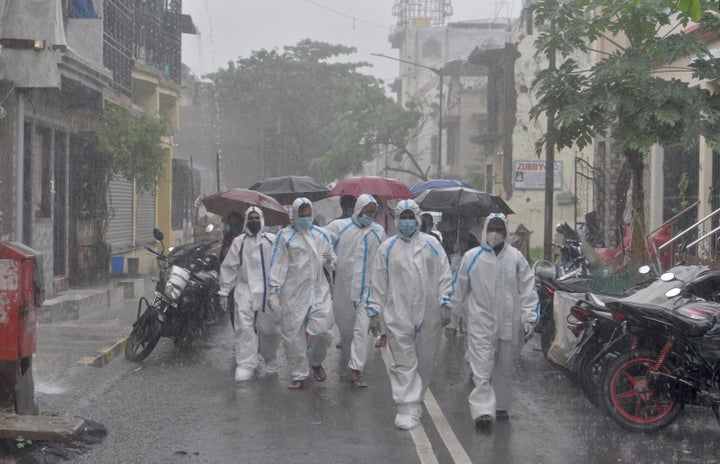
(223, 300)
(528, 331)
(374, 326)
(445, 315)
(327, 256)
(273, 301)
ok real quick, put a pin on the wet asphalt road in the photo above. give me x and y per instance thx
(186, 407)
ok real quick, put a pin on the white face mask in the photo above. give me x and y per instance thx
(494, 239)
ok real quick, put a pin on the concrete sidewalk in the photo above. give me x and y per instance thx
(80, 329)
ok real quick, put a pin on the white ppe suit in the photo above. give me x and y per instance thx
(410, 280)
(297, 277)
(246, 268)
(355, 246)
(497, 292)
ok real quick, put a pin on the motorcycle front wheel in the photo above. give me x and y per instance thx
(633, 398)
(144, 336)
(591, 374)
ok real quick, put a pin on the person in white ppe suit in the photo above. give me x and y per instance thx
(299, 288)
(246, 268)
(356, 239)
(494, 287)
(410, 280)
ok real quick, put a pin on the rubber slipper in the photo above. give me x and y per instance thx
(319, 373)
(296, 385)
(358, 383)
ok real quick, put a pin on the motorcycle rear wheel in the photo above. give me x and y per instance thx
(632, 399)
(144, 336)
(548, 335)
(591, 374)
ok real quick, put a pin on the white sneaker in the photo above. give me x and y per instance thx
(242, 375)
(406, 421)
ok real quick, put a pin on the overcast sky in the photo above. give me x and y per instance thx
(233, 28)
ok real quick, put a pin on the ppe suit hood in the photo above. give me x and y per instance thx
(502, 217)
(253, 209)
(412, 206)
(362, 201)
(296, 207)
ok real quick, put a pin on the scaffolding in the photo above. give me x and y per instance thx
(422, 13)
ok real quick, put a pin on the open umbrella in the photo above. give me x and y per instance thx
(237, 199)
(462, 201)
(385, 187)
(420, 187)
(285, 189)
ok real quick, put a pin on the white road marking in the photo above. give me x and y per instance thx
(422, 442)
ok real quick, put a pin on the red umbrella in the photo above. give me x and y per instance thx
(382, 186)
(237, 199)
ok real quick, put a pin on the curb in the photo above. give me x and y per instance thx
(106, 354)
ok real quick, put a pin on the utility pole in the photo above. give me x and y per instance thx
(439, 73)
(549, 169)
(217, 169)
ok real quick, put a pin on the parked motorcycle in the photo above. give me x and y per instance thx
(185, 301)
(591, 322)
(668, 356)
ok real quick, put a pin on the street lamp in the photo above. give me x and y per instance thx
(439, 73)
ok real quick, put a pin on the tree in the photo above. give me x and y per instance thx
(634, 90)
(128, 146)
(304, 103)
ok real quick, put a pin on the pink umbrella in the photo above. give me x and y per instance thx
(237, 199)
(385, 187)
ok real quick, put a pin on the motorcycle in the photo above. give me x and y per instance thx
(185, 301)
(667, 356)
(594, 328)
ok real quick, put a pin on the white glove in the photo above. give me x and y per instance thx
(223, 300)
(374, 326)
(328, 258)
(528, 331)
(273, 301)
(445, 315)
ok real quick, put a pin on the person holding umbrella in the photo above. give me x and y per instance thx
(357, 238)
(410, 280)
(246, 268)
(496, 287)
(299, 289)
(232, 227)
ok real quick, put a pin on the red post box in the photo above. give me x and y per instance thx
(21, 292)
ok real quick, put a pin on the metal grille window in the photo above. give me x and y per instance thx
(118, 43)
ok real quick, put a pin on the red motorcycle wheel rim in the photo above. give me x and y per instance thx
(631, 396)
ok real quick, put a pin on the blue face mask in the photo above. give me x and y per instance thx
(305, 222)
(407, 227)
(365, 220)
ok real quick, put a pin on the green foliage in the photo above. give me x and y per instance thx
(317, 114)
(21, 442)
(625, 89)
(132, 146)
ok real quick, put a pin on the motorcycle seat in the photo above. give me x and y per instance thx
(692, 319)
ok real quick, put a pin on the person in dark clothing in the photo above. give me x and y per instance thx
(427, 226)
(232, 227)
(347, 204)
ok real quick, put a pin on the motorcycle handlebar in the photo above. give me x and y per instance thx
(156, 253)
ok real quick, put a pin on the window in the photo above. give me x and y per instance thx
(431, 49)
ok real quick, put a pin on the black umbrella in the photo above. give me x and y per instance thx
(462, 201)
(285, 189)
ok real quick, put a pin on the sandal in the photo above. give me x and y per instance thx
(319, 373)
(382, 341)
(502, 414)
(355, 379)
(296, 385)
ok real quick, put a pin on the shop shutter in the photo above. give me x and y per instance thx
(119, 231)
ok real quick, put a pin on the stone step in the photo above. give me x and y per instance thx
(39, 428)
